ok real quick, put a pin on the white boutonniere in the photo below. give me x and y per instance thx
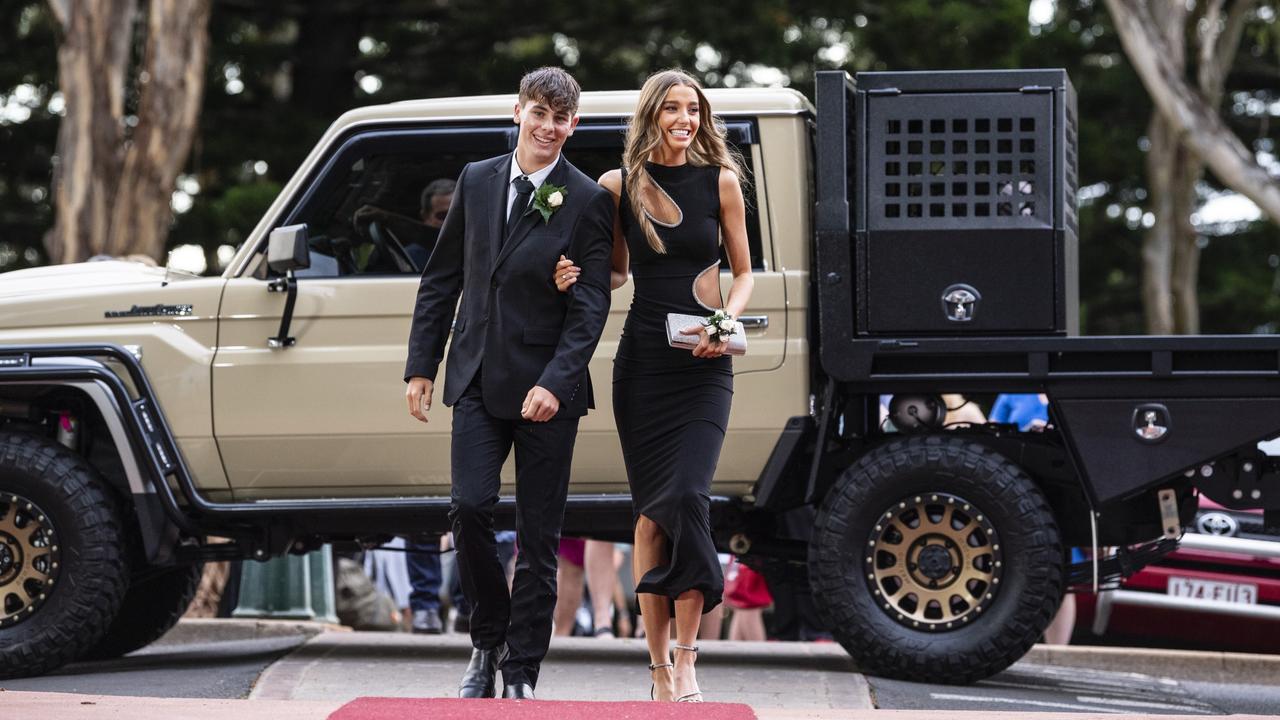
(720, 326)
(547, 200)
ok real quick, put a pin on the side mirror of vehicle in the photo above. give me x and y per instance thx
(287, 249)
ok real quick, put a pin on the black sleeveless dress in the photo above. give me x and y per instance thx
(672, 408)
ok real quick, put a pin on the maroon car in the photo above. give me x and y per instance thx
(1219, 591)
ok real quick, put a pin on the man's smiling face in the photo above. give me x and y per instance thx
(543, 132)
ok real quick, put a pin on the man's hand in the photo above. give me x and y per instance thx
(540, 405)
(418, 393)
(366, 214)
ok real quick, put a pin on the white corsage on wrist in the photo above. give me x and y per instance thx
(720, 326)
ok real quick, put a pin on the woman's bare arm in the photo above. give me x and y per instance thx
(566, 273)
(733, 228)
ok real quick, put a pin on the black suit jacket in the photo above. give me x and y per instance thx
(513, 326)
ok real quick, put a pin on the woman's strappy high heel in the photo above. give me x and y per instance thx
(695, 696)
(653, 685)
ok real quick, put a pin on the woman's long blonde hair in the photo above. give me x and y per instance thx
(644, 137)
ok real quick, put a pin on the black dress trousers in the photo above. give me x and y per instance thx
(481, 443)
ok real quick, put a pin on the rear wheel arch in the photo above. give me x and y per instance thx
(104, 445)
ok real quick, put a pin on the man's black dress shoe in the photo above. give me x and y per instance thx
(518, 691)
(478, 680)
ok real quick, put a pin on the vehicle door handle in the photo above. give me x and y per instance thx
(754, 322)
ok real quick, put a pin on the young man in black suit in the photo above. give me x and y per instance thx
(517, 366)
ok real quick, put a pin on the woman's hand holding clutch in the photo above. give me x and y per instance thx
(693, 333)
(706, 348)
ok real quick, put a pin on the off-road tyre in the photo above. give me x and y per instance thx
(93, 570)
(153, 605)
(1027, 590)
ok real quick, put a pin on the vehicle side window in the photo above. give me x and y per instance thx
(596, 147)
(377, 206)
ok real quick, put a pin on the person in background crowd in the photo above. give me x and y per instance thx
(386, 568)
(569, 584)
(1029, 411)
(422, 563)
(602, 561)
(596, 562)
(747, 593)
(961, 411)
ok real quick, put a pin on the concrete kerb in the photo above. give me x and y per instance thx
(1177, 664)
(206, 630)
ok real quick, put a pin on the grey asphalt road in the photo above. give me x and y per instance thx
(1028, 687)
(201, 670)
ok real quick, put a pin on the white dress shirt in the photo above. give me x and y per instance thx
(537, 178)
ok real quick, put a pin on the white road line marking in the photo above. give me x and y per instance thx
(1138, 703)
(1101, 675)
(1066, 687)
(1033, 703)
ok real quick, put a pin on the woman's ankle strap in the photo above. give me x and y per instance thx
(690, 648)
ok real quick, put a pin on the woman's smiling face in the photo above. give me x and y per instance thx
(678, 117)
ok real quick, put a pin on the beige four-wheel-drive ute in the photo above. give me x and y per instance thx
(912, 235)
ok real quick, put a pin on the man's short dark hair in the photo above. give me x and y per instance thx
(440, 186)
(551, 86)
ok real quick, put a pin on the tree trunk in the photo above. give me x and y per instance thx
(1175, 163)
(111, 188)
(1170, 255)
(172, 84)
(1203, 130)
(1157, 244)
(1218, 43)
(92, 60)
(1162, 165)
(1185, 269)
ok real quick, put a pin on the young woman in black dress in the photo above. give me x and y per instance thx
(679, 195)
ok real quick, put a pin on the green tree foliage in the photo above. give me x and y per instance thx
(279, 73)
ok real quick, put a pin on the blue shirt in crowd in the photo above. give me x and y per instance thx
(1021, 409)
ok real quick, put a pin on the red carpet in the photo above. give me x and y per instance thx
(384, 708)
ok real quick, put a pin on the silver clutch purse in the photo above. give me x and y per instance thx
(677, 322)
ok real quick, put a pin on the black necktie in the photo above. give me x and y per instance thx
(523, 189)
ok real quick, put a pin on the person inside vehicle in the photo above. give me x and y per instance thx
(417, 235)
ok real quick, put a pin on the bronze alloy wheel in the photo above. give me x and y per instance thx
(28, 558)
(906, 576)
(933, 562)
